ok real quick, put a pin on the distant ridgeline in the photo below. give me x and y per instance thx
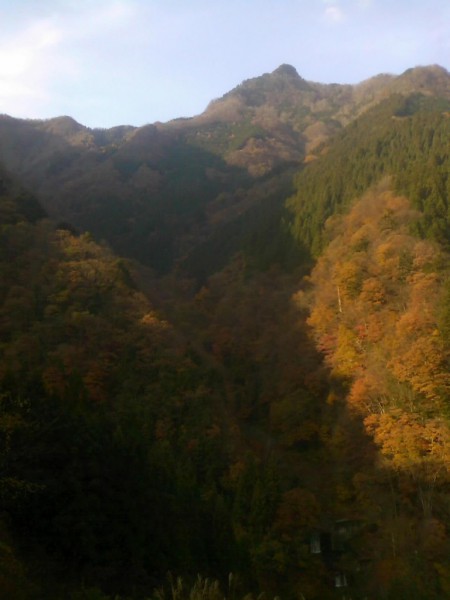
(168, 194)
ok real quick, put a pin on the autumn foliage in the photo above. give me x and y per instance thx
(377, 304)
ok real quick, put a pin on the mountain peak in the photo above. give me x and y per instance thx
(429, 75)
(285, 69)
(435, 70)
(63, 125)
(287, 75)
(428, 79)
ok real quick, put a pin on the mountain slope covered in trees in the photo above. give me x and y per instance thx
(158, 193)
(276, 405)
(379, 303)
(97, 389)
(405, 137)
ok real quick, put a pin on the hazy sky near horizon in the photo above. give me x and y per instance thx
(113, 62)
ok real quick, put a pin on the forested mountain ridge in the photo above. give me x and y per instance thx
(405, 137)
(157, 193)
(240, 417)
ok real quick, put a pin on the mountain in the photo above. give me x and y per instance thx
(159, 192)
(224, 348)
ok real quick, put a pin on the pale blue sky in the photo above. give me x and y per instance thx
(112, 62)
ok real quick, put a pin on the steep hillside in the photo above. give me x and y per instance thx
(379, 300)
(111, 438)
(405, 137)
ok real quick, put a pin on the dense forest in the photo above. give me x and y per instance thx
(225, 348)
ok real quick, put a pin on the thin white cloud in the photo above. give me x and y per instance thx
(46, 52)
(99, 21)
(26, 62)
(19, 92)
(334, 14)
(21, 53)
